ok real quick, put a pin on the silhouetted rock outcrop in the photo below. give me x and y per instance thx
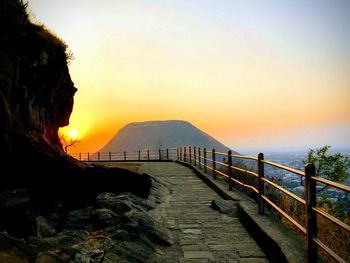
(46, 196)
(36, 99)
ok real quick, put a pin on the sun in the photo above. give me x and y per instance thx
(73, 134)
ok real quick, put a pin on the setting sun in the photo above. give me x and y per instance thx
(73, 134)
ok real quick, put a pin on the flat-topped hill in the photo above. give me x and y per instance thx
(160, 134)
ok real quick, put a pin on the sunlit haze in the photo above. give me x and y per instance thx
(73, 134)
(253, 74)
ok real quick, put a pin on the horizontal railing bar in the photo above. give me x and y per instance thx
(252, 173)
(330, 183)
(223, 174)
(224, 164)
(332, 218)
(208, 159)
(245, 185)
(221, 153)
(245, 157)
(284, 168)
(209, 167)
(295, 197)
(122, 152)
(328, 250)
(295, 223)
(244, 171)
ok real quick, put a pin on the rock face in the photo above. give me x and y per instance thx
(36, 95)
(52, 207)
(36, 98)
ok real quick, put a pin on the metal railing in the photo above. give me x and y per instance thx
(200, 157)
(167, 154)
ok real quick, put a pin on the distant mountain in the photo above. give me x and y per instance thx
(160, 134)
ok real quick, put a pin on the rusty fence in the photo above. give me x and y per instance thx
(213, 162)
(167, 154)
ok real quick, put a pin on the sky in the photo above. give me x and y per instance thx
(256, 75)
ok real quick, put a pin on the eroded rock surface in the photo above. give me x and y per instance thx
(102, 232)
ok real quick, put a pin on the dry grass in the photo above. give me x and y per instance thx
(336, 238)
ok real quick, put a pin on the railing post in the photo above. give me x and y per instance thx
(190, 154)
(261, 188)
(79, 156)
(160, 154)
(167, 153)
(194, 155)
(185, 156)
(229, 163)
(177, 154)
(199, 157)
(110, 156)
(311, 217)
(205, 159)
(148, 155)
(124, 155)
(88, 156)
(214, 163)
(139, 155)
(181, 159)
(98, 156)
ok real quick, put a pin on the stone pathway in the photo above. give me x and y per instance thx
(201, 234)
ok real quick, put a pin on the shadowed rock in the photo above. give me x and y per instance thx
(227, 207)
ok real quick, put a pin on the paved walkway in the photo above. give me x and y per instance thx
(201, 234)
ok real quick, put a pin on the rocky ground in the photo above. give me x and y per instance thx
(115, 227)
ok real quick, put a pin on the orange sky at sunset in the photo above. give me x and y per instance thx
(253, 74)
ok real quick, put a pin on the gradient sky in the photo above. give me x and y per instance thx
(253, 74)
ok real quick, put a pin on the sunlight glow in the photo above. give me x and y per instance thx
(73, 134)
(236, 69)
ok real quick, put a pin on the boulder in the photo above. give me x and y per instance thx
(117, 203)
(141, 202)
(228, 207)
(79, 218)
(143, 224)
(102, 217)
(43, 228)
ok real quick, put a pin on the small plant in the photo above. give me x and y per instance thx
(69, 56)
(68, 141)
(333, 167)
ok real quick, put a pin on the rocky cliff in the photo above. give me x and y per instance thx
(36, 91)
(46, 197)
(36, 98)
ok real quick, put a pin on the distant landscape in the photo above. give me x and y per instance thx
(159, 135)
(294, 159)
(158, 82)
